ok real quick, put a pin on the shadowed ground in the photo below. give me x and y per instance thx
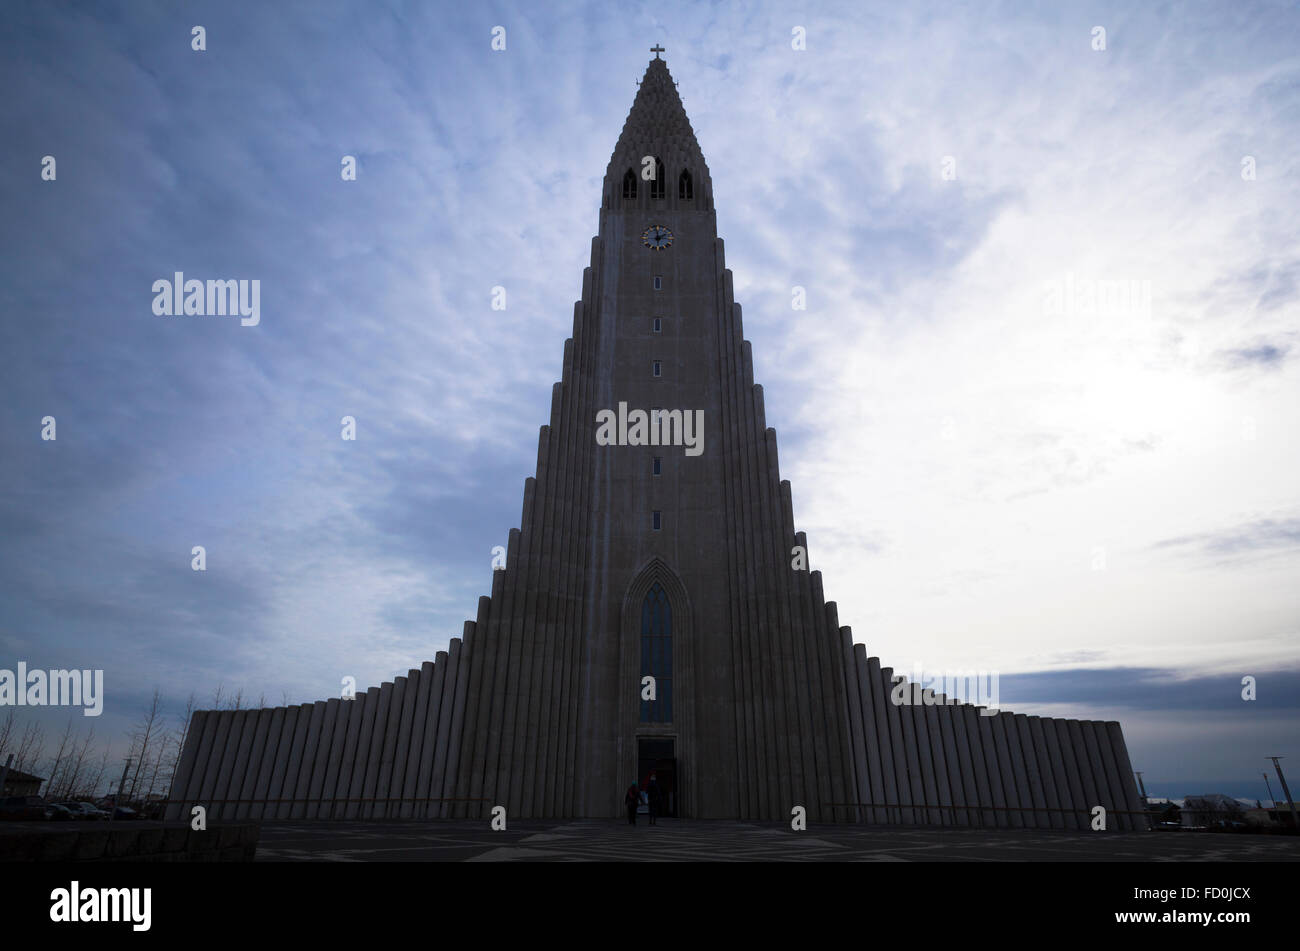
(728, 841)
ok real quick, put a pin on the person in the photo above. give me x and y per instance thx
(654, 796)
(633, 801)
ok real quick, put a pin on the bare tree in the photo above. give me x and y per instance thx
(6, 730)
(95, 780)
(31, 747)
(66, 745)
(75, 766)
(145, 731)
(178, 738)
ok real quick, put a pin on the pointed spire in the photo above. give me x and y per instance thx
(657, 125)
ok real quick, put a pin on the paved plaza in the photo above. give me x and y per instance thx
(602, 840)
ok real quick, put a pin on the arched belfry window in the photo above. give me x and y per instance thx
(685, 187)
(629, 185)
(657, 654)
(657, 184)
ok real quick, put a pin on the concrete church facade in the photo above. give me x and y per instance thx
(649, 550)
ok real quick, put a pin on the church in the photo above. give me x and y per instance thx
(655, 611)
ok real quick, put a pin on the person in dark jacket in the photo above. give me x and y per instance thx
(633, 801)
(655, 797)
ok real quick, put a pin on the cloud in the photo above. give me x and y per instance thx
(1257, 538)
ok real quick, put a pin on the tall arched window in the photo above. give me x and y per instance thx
(657, 654)
(629, 185)
(657, 184)
(685, 187)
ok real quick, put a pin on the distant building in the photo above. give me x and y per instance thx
(1212, 810)
(1279, 815)
(18, 783)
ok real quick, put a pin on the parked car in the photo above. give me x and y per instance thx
(125, 812)
(22, 807)
(85, 810)
(57, 812)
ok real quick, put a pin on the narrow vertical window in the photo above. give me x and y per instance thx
(629, 185)
(657, 521)
(657, 654)
(658, 325)
(659, 283)
(685, 187)
(658, 368)
(657, 467)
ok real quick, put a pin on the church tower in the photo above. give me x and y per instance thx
(656, 611)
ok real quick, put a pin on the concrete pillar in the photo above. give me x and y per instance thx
(365, 751)
(938, 755)
(216, 746)
(531, 629)
(1079, 803)
(775, 595)
(879, 697)
(1059, 791)
(185, 779)
(310, 754)
(326, 776)
(419, 778)
(877, 748)
(987, 723)
(352, 765)
(458, 725)
(925, 754)
(808, 669)
(983, 818)
(419, 760)
(965, 773)
(407, 733)
(899, 744)
(259, 723)
(835, 704)
(1125, 767)
(903, 691)
(1091, 795)
(257, 809)
(1006, 770)
(219, 781)
(297, 746)
(1032, 783)
(861, 786)
(799, 599)
(374, 761)
(1044, 782)
(388, 759)
(284, 749)
(1120, 822)
(477, 706)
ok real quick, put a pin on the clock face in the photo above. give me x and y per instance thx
(657, 237)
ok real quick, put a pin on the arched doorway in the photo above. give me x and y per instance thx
(655, 724)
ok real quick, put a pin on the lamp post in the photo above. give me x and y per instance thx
(1271, 801)
(1295, 822)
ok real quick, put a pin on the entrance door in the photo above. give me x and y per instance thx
(655, 754)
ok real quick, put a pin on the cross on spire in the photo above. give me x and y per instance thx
(656, 49)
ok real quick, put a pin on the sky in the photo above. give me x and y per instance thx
(1040, 413)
